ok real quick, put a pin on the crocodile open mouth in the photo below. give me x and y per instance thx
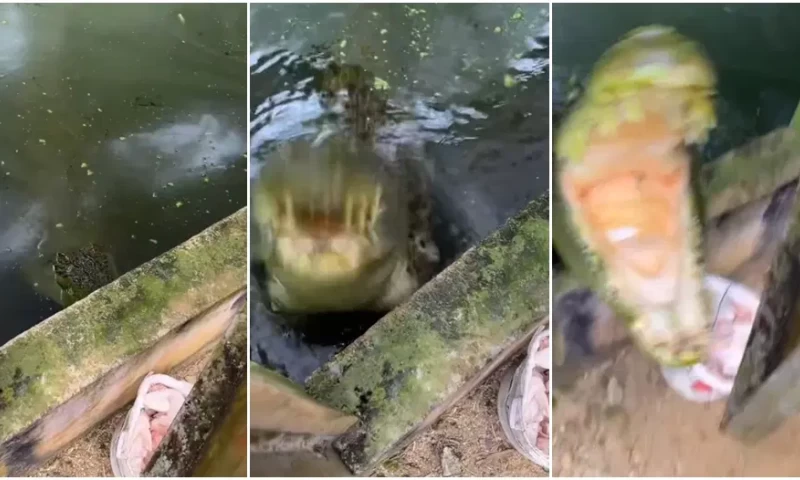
(628, 194)
(626, 178)
(631, 199)
(332, 224)
(333, 239)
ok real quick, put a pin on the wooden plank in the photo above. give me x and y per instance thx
(290, 432)
(277, 405)
(419, 359)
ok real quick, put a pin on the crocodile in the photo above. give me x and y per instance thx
(82, 271)
(341, 227)
(71, 273)
(638, 221)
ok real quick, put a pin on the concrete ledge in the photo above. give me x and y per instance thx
(426, 354)
(54, 382)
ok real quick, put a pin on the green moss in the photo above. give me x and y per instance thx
(51, 362)
(750, 172)
(413, 359)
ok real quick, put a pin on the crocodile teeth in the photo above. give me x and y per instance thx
(622, 233)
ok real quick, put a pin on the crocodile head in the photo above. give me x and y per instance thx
(624, 172)
(333, 228)
(81, 271)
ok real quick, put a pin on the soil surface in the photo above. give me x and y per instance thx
(622, 419)
(89, 456)
(467, 441)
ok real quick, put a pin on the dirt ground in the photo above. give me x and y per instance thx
(621, 419)
(468, 441)
(89, 456)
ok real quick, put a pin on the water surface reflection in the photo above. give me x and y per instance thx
(122, 125)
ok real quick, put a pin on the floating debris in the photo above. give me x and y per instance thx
(84, 165)
(178, 204)
(182, 20)
(43, 141)
(59, 225)
(153, 241)
(381, 84)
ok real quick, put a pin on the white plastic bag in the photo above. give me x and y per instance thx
(158, 401)
(529, 403)
(734, 311)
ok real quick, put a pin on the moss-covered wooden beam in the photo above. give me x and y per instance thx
(71, 371)
(418, 360)
(209, 435)
(767, 386)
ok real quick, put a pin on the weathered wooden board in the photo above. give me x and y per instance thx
(291, 433)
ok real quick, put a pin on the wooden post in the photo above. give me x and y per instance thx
(767, 386)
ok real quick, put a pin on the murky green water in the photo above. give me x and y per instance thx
(123, 125)
(468, 90)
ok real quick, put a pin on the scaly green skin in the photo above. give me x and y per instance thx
(657, 69)
(648, 62)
